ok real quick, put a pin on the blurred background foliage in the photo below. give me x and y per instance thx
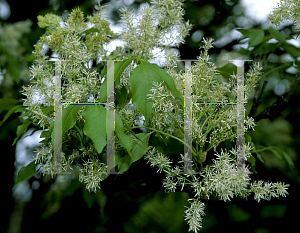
(136, 202)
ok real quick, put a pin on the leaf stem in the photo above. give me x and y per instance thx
(276, 68)
(192, 149)
(190, 182)
(80, 135)
(179, 129)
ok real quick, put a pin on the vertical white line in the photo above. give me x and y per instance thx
(188, 118)
(57, 141)
(110, 117)
(240, 110)
(58, 116)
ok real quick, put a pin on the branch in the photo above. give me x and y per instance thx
(280, 103)
(257, 102)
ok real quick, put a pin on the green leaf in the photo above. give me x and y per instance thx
(256, 36)
(95, 125)
(252, 160)
(260, 158)
(245, 33)
(119, 69)
(277, 35)
(271, 47)
(296, 64)
(104, 72)
(280, 154)
(22, 129)
(91, 30)
(47, 134)
(89, 198)
(289, 161)
(124, 163)
(69, 115)
(8, 103)
(227, 70)
(121, 96)
(21, 109)
(255, 151)
(26, 114)
(243, 51)
(158, 144)
(31, 57)
(248, 138)
(139, 148)
(103, 90)
(259, 49)
(141, 80)
(292, 50)
(127, 127)
(25, 173)
(118, 155)
(9, 113)
(125, 140)
(277, 151)
(101, 66)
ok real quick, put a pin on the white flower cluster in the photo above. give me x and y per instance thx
(43, 153)
(79, 83)
(148, 30)
(92, 173)
(264, 191)
(161, 161)
(222, 178)
(168, 114)
(44, 156)
(130, 115)
(286, 10)
(194, 215)
(219, 179)
(210, 123)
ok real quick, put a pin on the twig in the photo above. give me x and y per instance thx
(257, 102)
(269, 112)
